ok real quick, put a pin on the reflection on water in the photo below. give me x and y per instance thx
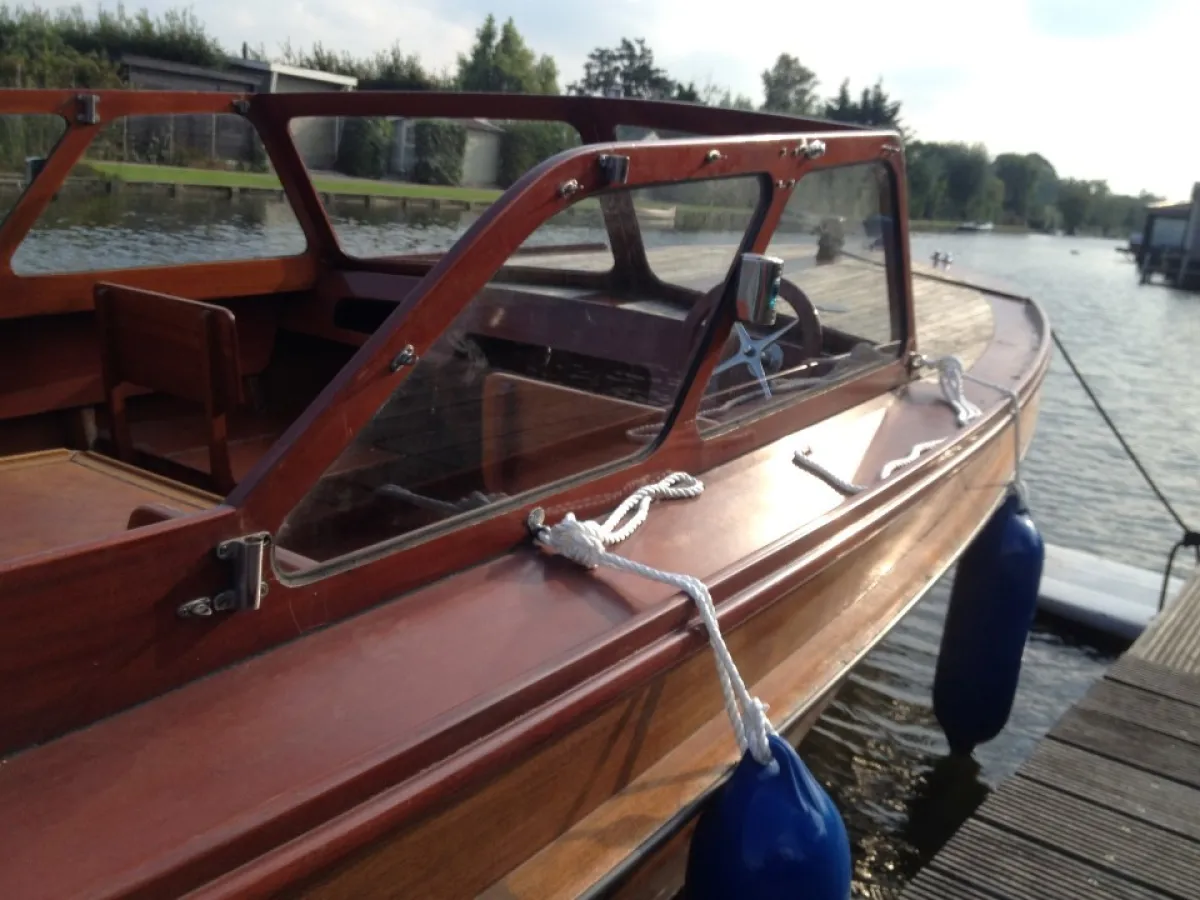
(878, 746)
(83, 231)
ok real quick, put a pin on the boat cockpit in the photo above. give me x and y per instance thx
(155, 391)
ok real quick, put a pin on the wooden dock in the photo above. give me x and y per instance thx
(1108, 806)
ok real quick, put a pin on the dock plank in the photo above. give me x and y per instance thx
(1173, 639)
(1013, 867)
(1115, 786)
(1106, 840)
(1113, 738)
(933, 884)
(1108, 805)
(1146, 708)
(1140, 673)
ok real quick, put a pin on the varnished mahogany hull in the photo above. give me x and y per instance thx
(597, 810)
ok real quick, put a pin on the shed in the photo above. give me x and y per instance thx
(481, 156)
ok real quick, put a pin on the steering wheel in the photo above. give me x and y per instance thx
(761, 352)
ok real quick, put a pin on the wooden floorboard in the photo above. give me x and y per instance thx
(1116, 739)
(1014, 867)
(1173, 639)
(1113, 785)
(1095, 836)
(1148, 709)
(933, 884)
(1137, 672)
(1108, 805)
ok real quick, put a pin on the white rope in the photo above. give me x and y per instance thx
(953, 365)
(586, 543)
(950, 378)
(810, 465)
(913, 455)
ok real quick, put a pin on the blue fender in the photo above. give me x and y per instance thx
(770, 833)
(992, 607)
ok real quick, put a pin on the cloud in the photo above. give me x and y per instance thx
(1083, 19)
(1088, 83)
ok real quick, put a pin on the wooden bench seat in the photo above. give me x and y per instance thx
(58, 498)
(182, 348)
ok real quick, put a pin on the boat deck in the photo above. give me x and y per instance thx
(1108, 805)
(952, 317)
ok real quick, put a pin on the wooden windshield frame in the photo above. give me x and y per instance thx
(280, 481)
(749, 144)
(133, 645)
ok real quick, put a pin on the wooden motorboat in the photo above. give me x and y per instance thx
(275, 623)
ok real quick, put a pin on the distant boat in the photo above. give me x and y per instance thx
(975, 226)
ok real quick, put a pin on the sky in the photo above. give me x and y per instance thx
(1086, 83)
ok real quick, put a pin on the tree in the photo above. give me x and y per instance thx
(502, 62)
(728, 100)
(874, 107)
(842, 107)
(967, 177)
(627, 70)
(387, 70)
(177, 35)
(723, 98)
(1020, 175)
(789, 87)
(926, 181)
(1075, 203)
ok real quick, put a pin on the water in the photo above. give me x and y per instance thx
(878, 747)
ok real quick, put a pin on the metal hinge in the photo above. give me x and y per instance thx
(245, 556)
(87, 110)
(614, 168)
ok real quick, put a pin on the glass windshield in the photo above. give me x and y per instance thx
(405, 186)
(559, 366)
(837, 314)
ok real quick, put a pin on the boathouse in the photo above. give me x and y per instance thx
(1170, 243)
(226, 137)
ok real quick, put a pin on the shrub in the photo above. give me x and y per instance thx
(366, 147)
(525, 144)
(439, 148)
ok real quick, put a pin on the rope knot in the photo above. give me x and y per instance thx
(757, 728)
(951, 379)
(579, 541)
(587, 543)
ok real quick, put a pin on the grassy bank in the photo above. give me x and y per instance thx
(138, 173)
(690, 217)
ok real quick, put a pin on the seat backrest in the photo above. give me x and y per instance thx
(184, 348)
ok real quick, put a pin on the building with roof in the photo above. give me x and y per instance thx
(481, 156)
(1170, 243)
(225, 137)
